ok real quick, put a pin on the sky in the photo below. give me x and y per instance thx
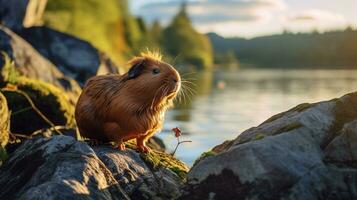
(251, 18)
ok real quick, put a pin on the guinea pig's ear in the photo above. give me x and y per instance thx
(136, 69)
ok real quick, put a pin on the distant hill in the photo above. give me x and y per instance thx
(337, 49)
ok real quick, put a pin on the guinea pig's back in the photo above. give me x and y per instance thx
(90, 110)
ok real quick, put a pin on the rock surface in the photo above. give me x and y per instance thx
(48, 99)
(60, 167)
(308, 152)
(28, 62)
(12, 13)
(17, 14)
(74, 57)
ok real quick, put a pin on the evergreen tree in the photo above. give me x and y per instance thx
(180, 38)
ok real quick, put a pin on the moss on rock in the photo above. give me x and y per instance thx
(258, 137)
(203, 156)
(4, 121)
(49, 99)
(155, 159)
(288, 127)
(3, 155)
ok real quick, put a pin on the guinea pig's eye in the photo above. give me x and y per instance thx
(156, 71)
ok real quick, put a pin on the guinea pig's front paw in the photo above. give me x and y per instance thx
(144, 149)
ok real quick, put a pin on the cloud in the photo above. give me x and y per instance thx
(314, 19)
(315, 15)
(212, 11)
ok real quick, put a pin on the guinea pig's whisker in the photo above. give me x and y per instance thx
(188, 87)
(192, 91)
(188, 92)
(189, 82)
(174, 60)
(187, 73)
(185, 95)
(180, 95)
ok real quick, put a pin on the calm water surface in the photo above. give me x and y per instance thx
(227, 103)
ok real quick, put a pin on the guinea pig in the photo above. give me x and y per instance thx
(117, 108)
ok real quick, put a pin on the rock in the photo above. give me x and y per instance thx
(3, 155)
(28, 62)
(308, 152)
(60, 167)
(74, 57)
(157, 144)
(17, 14)
(47, 98)
(12, 13)
(343, 148)
(4, 121)
(107, 66)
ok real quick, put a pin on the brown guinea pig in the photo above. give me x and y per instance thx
(117, 108)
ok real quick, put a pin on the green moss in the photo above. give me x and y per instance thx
(258, 137)
(8, 71)
(4, 121)
(298, 108)
(49, 99)
(3, 155)
(52, 101)
(288, 127)
(204, 155)
(157, 159)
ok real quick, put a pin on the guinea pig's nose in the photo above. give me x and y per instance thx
(174, 80)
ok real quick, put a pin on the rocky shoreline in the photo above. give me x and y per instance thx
(308, 152)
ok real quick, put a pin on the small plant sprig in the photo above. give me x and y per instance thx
(178, 133)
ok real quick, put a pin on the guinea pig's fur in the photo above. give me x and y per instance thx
(122, 107)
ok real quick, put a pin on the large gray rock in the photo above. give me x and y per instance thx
(74, 57)
(17, 14)
(28, 62)
(59, 167)
(12, 13)
(308, 152)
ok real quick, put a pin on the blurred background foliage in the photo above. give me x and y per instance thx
(110, 27)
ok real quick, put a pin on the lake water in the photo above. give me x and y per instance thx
(227, 103)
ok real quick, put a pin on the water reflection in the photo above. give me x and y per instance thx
(227, 103)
